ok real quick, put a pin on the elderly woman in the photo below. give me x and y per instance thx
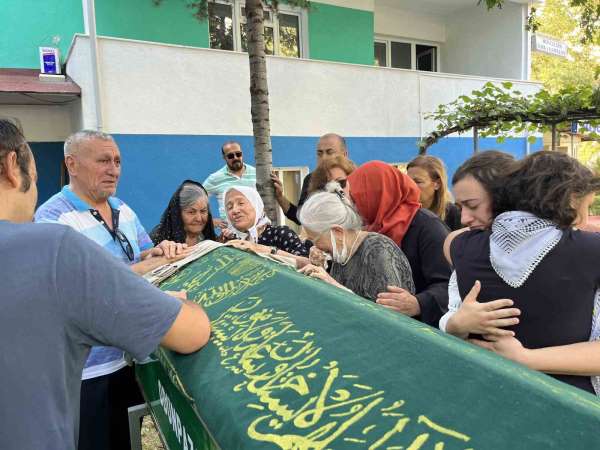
(365, 263)
(251, 229)
(187, 219)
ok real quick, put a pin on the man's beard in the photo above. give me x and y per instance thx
(236, 165)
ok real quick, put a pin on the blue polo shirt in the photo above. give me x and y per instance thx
(67, 208)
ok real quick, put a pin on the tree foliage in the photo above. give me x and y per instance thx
(502, 111)
(581, 67)
(587, 12)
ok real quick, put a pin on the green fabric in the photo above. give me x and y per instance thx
(294, 363)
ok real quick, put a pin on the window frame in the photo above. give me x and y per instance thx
(387, 40)
(238, 19)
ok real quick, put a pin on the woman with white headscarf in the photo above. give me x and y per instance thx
(252, 229)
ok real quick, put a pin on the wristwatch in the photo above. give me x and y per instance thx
(273, 250)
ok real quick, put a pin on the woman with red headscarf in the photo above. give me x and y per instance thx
(388, 202)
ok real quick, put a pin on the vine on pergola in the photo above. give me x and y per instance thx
(502, 111)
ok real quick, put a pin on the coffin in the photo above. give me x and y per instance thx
(294, 363)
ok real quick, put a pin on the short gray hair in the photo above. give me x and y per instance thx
(73, 142)
(190, 194)
(322, 210)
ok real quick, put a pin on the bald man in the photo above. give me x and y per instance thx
(329, 146)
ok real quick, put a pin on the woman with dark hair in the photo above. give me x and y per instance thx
(474, 183)
(187, 218)
(429, 173)
(535, 255)
(388, 202)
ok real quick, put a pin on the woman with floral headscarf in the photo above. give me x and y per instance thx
(251, 229)
(388, 202)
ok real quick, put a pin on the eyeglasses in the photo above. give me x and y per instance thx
(234, 155)
(343, 183)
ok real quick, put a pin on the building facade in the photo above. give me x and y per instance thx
(172, 88)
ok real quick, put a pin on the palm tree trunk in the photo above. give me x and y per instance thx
(259, 98)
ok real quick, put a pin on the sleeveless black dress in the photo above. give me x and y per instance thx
(557, 299)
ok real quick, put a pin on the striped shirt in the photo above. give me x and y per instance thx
(219, 182)
(67, 208)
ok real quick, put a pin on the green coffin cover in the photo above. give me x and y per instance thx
(294, 363)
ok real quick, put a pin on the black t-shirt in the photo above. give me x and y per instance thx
(557, 299)
(423, 246)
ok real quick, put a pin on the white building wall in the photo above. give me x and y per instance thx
(42, 123)
(153, 88)
(487, 43)
(400, 23)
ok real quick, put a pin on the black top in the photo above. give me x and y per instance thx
(284, 238)
(292, 212)
(376, 264)
(556, 301)
(452, 219)
(423, 246)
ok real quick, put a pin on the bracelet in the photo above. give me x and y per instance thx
(273, 250)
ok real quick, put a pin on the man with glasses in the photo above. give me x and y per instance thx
(234, 173)
(61, 294)
(88, 205)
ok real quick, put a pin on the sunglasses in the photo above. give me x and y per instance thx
(343, 183)
(116, 233)
(124, 243)
(234, 155)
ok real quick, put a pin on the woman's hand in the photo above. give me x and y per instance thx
(317, 257)
(483, 318)
(507, 346)
(399, 300)
(250, 246)
(244, 245)
(319, 273)
(168, 249)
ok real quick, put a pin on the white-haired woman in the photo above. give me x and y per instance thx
(252, 230)
(365, 263)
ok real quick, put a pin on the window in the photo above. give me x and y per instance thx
(220, 23)
(284, 32)
(406, 55)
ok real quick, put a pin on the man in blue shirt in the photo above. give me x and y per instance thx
(88, 205)
(61, 294)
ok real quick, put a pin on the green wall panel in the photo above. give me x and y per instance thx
(340, 34)
(171, 22)
(28, 24)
